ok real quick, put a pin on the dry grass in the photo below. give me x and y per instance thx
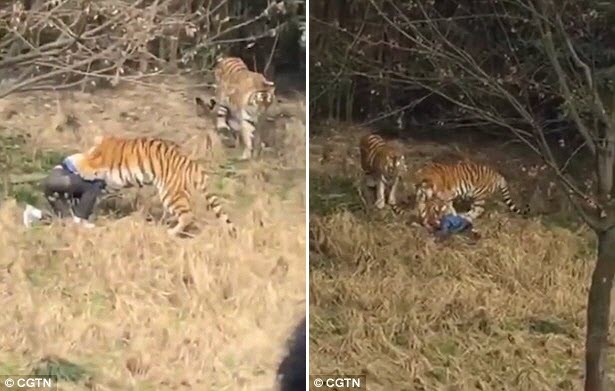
(506, 313)
(134, 307)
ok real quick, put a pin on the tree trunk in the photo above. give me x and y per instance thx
(598, 313)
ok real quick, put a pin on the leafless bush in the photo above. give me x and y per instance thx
(67, 43)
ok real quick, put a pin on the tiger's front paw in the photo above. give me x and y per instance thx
(380, 203)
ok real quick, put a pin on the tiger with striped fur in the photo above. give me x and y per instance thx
(128, 162)
(242, 97)
(465, 180)
(382, 166)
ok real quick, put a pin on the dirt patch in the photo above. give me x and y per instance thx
(387, 300)
(132, 307)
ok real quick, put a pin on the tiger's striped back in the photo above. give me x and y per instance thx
(228, 67)
(127, 162)
(379, 158)
(464, 179)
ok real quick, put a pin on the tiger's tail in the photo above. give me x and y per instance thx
(214, 107)
(213, 203)
(503, 186)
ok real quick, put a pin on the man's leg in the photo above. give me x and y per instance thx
(57, 188)
(89, 195)
(61, 186)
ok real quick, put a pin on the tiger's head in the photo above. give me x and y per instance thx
(432, 212)
(395, 164)
(94, 162)
(424, 191)
(429, 187)
(263, 97)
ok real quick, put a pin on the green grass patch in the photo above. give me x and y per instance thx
(8, 367)
(27, 194)
(61, 369)
(330, 194)
(562, 219)
(17, 157)
(23, 166)
(550, 326)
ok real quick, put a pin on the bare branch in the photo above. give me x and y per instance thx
(563, 83)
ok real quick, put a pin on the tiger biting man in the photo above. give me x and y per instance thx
(432, 211)
(127, 162)
(462, 180)
(242, 97)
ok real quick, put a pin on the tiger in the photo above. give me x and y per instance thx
(242, 97)
(382, 166)
(462, 180)
(126, 162)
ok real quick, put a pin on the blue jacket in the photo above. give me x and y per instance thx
(450, 224)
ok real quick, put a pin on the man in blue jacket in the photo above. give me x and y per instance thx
(65, 189)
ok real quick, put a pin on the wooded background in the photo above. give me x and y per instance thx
(422, 61)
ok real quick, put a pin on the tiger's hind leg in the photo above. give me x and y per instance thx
(178, 205)
(183, 221)
(476, 210)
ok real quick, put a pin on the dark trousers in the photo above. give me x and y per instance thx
(64, 189)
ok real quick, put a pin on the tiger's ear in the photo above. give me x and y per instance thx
(98, 139)
(269, 86)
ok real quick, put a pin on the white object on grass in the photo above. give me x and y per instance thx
(31, 214)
